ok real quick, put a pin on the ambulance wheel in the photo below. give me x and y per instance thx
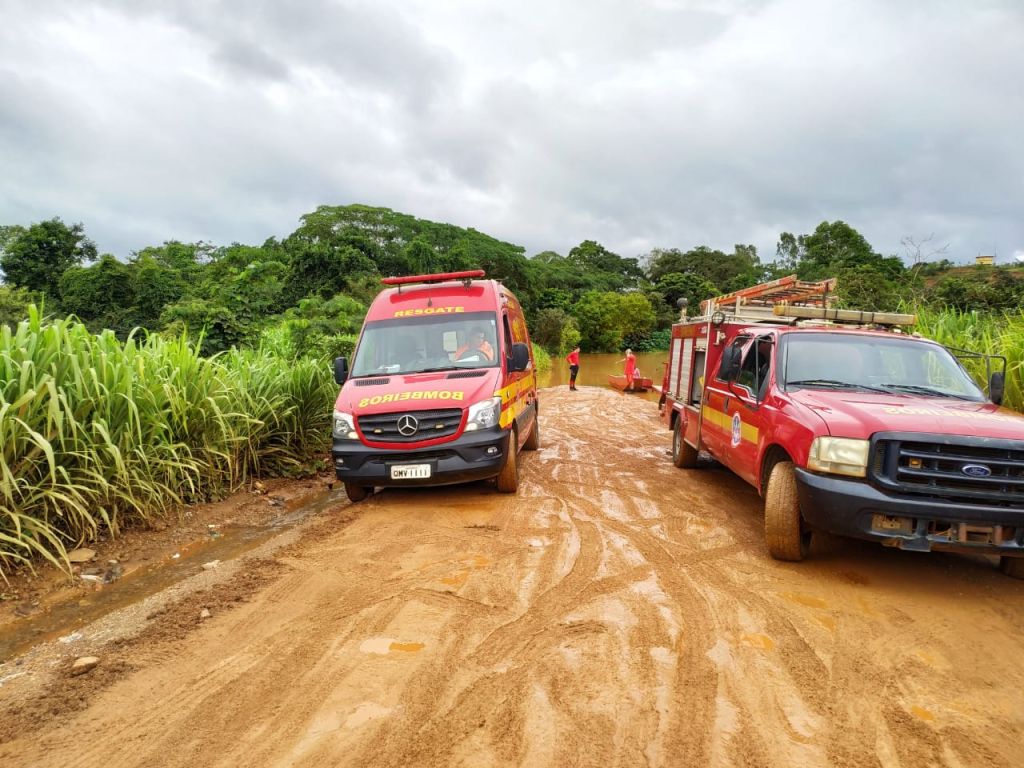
(357, 492)
(783, 529)
(533, 441)
(684, 455)
(508, 478)
(1012, 566)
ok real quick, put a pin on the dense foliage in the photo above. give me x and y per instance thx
(317, 282)
(97, 432)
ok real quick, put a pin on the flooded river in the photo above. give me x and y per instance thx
(595, 369)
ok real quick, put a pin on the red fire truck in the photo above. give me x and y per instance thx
(442, 387)
(847, 424)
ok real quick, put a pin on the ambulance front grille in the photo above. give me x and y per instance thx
(430, 425)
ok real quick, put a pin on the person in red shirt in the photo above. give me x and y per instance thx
(477, 346)
(574, 366)
(630, 369)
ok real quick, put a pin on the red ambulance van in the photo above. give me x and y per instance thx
(441, 389)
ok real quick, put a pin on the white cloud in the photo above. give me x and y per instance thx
(638, 123)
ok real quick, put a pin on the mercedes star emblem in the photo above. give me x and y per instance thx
(407, 425)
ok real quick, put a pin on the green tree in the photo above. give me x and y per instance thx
(35, 258)
(102, 295)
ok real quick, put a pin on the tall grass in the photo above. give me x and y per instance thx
(989, 333)
(96, 433)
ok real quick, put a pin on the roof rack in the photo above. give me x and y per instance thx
(759, 301)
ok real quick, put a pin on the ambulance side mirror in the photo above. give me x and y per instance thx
(520, 357)
(996, 386)
(340, 370)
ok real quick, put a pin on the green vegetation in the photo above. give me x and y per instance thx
(97, 432)
(104, 423)
(988, 333)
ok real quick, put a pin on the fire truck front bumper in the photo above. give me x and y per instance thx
(855, 508)
(472, 456)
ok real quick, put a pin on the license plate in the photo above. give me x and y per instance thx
(410, 471)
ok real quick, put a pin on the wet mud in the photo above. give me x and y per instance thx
(616, 612)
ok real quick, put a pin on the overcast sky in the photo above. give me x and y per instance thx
(636, 123)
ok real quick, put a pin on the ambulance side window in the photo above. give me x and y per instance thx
(508, 336)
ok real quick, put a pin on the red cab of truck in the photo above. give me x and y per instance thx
(847, 426)
(441, 388)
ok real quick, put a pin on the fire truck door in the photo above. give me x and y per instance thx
(720, 401)
(746, 409)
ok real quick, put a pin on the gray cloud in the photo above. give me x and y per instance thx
(638, 123)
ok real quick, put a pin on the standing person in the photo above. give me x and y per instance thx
(630, 370)
(574, 366)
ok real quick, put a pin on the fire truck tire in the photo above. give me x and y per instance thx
(1012, 566)
(783, 530)
(357, 492)
(684, 455)
(508, 478)
(533, 441)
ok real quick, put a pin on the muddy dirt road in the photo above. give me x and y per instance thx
(617, 612)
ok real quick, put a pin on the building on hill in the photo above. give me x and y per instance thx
(985, 260)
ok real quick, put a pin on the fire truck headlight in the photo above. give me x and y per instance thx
(344, 426)
(484, 415)
(839, 456)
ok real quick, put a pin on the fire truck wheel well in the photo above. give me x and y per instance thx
(772, 456)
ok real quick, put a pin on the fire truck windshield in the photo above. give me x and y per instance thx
(899, 365)
(427, 343)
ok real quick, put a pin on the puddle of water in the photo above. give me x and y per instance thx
(382, 646)
(809, 600)
(922, 713)
(406, 647)
(456, 579)
(136, 585)
(761, 642)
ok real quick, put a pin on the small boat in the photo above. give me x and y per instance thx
(640, 383)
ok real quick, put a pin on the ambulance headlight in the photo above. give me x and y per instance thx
(484, 415)
(839, 456)
(344, 426)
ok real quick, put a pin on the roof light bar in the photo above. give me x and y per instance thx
(436, 278)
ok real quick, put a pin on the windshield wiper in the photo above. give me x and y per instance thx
(920, 390)
(831, 384)
(433, 370)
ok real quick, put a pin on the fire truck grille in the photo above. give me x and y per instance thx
(410, 426)
(956, 468)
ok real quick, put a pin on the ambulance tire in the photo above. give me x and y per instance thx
(508, 479)
(783, 525)
(1012, 566)
(684, 455)
(533, 441)
(357, 492)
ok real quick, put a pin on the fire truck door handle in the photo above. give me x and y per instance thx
(725, 404)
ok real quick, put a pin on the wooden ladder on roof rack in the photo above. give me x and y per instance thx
(758, 301)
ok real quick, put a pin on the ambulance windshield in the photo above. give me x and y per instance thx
(427, 343)
(873, 363)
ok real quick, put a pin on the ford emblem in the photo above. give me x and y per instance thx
(976, 470)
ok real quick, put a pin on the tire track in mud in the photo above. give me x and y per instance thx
(616, 612)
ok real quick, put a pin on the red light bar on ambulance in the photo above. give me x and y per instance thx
(438, 278)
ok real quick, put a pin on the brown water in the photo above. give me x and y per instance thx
(226, 543)
(595, 369)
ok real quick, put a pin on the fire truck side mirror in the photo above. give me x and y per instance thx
(340, 370)
(996, 385)
(520, 357)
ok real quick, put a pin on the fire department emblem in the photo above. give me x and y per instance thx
(737, 429)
